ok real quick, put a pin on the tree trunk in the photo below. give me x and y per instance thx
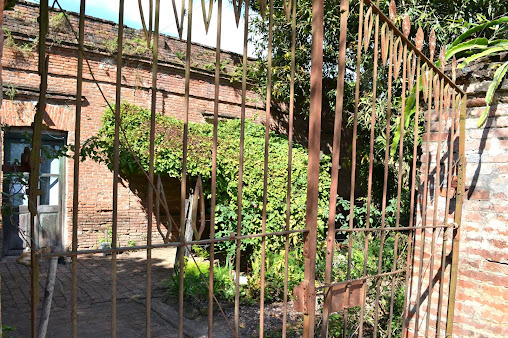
(188, 229)
(48, 298)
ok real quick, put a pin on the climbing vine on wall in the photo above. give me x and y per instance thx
(135, 122)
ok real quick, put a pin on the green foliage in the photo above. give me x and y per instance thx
(237, 73)
(9, 5)
(180, 55)
(168, 161)
(11, 91)
(274, 274)
(478, 28)
(200, 252)
(23, 49)
(58, 22)
(107, 236)
(194, 286)
(493, 41)
(447, 18)
(211, 66)
(132, 46)
(111, 45)
(6, 329)
(135, 46)
(372, 254)
(496, 81)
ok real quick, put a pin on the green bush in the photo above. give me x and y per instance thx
(135, 121)
(274, 275)
(194, 286)
(168, 161)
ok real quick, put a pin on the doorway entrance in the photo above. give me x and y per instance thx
(15, 212)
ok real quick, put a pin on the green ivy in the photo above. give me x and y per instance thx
(135, 122)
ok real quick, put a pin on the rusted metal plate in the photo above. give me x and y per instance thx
(299, 295)
(345, 296)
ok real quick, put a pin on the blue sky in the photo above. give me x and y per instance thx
(232, 37)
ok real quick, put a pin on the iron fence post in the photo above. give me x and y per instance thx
(316, 85)
(461, 168)
(35, 162)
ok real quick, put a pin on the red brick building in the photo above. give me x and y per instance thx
(21, 86)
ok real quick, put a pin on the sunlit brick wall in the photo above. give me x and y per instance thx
(96, 181)
(481, 308)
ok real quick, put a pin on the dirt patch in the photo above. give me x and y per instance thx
(196, 315)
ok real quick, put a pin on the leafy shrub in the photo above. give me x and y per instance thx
(135, 122)
(194, 286)
(274, 275)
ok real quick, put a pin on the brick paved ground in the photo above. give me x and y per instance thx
(94, 282)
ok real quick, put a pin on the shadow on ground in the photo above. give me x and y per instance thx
(94, 307)
(94, 284)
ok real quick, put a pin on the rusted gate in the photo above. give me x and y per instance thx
(437, 100)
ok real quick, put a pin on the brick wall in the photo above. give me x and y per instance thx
(95, 195)
(481, 308)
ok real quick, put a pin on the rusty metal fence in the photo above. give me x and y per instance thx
(437, 99)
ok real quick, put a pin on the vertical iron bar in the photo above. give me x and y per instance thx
(290, 164)
(391, 56)
(309, 249)
(35, 162)
(424, 203)
(214, 168)
(412, 234)
(451, 149)
(337, 131)
(399, 186)
(75, 192)
(150, 19)
(371, 167)
(240, 171)
(353, 160)
(2, 5)
(158, 204)
(183, 188)
(439, 109)
(265, 170)
(155, 61)
(114, 227)
(447, 208)
(458, 214)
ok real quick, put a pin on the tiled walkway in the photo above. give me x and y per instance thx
(94, 282)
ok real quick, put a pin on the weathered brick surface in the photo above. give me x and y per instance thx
(482, 291)
(96, 181)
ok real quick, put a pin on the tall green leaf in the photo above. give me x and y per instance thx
(409, 111)
(498, 78)
(478, 28)
(479, 43)
(481, 54)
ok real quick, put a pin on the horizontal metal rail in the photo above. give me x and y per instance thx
(349, 281)
(394, 228)
(225, 239)
(171, 244)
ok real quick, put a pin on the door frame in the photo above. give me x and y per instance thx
(48, 136)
